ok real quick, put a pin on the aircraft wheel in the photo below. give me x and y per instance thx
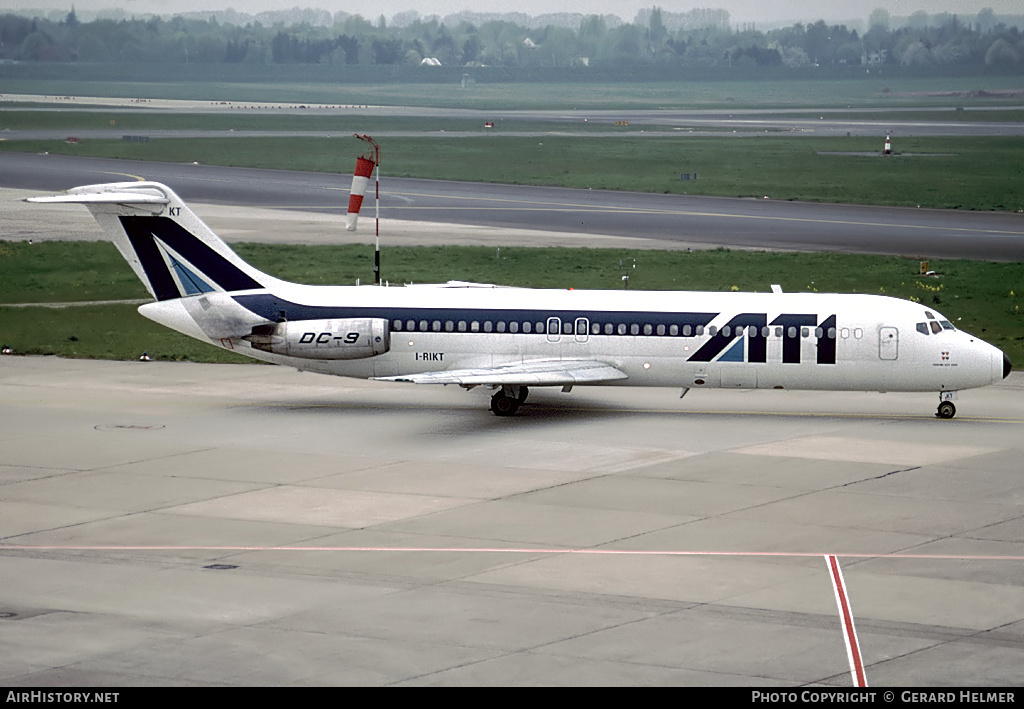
(503, 405)
(946, 410)
(523, 393)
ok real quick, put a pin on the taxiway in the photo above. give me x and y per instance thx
(170, 523)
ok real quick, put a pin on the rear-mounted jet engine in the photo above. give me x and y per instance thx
(354, 338)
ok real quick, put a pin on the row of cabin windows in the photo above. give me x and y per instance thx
(580, 328)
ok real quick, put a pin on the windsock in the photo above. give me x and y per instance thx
(361, 177)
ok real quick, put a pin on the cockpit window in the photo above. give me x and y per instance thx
(922, 327)
(946, 325)
(936, 328)
(929, 315)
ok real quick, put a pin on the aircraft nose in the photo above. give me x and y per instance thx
(1007, 366)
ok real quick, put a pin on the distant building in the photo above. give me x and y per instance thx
(872, 58)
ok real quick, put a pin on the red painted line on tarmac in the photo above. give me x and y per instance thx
(498, 550)
(846, 615)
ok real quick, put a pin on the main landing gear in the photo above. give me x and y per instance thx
(506, 400)
(947, 409)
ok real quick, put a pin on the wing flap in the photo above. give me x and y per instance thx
(535, 373)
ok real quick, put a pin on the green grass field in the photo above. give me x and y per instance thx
(274, 119)
(961, 173)
(981, 298)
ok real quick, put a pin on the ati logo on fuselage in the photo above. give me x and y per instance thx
(754, 326)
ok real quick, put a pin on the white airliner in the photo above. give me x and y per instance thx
(509, 339)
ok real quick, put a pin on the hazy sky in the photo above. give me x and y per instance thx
(739, 10)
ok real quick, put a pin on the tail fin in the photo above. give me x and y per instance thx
(171, 250)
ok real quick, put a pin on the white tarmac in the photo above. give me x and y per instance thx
(122, 485)
(193, 524)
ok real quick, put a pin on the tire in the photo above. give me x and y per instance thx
(503, 405)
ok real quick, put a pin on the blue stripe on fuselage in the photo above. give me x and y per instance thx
(271, 307)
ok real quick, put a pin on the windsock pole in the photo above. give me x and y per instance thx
(364, 168)
(376, 250)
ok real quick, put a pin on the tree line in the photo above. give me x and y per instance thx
(655, 38)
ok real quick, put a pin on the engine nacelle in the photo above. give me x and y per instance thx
(353, 338)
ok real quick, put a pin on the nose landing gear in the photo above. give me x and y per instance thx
(947, 409)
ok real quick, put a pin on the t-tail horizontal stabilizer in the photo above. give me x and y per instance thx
(171, 250)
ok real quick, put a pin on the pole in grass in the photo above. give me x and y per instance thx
(365, 165)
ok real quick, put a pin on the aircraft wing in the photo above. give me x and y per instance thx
(555, 372)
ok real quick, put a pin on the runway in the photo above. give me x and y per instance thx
(942, 120)
(188, 524)
(673, 221)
